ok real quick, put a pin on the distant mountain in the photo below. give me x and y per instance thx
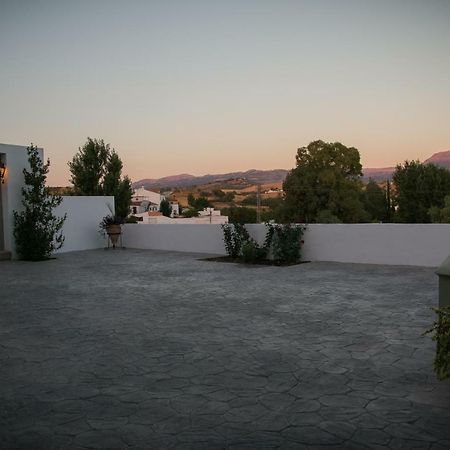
(441, 159)
(380, 174)
(269, 176)
(184, 180)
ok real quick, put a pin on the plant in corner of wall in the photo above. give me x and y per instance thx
(441, 330)
(37, 231)
(234, 237)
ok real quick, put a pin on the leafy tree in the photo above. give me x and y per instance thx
(326, 216)
(327, 177)
(97, 170)
(250, 200)
(222, 196)
(375, 202)
(191, 200)
(390, 207)
(37, 231)
(189, 212)
(240, 215)
(419, 187)
(442, 215)
(198, 203)
(165, 208)
(88, 167)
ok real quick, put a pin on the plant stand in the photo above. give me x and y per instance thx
(114, 233)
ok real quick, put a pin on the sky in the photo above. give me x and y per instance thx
(206, 86)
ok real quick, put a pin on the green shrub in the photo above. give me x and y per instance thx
(441, 330)
(282, 243)
(285, 242)
(37, 231)
(234, 237)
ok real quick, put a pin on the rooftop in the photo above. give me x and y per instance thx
(148, 349)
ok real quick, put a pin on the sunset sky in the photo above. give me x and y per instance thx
(216, 86)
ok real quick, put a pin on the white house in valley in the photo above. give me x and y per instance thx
(207, 216)
(144, 201)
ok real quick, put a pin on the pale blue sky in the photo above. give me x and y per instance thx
(214, 86)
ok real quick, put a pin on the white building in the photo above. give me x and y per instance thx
(208, 215)
(144, 201)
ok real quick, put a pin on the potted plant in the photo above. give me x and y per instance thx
(111, 225)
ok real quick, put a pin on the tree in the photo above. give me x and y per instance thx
(88, 167)
(326, 177)
(375, 202)
(419, 187)
(198, 203)
(189, 212)
(97, 170)
(165, 208)
(442, 215)
(37, 231)
(242, 215)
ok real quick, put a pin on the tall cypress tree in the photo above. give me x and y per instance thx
(37, 231)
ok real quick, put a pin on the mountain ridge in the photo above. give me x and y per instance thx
(256, 176)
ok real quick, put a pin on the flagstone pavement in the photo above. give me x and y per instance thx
(140, 349)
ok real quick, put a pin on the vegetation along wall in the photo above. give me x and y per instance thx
(395, 244)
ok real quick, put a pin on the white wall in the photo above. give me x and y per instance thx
(15, 158)
(402, 244)
(197, 238)
(81, 228)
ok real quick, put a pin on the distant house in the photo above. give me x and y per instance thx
(207, 216)
(144, 201)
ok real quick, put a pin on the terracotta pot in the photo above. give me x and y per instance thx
(114, 231)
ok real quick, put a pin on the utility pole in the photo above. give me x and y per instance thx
(258, 204)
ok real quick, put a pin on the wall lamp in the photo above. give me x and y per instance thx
(2, 172)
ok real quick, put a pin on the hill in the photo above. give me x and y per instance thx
(185, 180)
(441, 159)
(253, 177)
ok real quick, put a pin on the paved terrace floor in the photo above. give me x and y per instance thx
(145, 349)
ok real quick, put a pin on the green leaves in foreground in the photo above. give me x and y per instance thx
(441, 330)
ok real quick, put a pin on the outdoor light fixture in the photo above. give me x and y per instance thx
(2, 172)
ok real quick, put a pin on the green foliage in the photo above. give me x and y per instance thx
(110, 219)
(441, 215)
(189, 212)
(132, 219)
(198, 203)
(326, 216)
(191, 199)
(250, 200)
(241, 215)
(441, 330)
(37, 231)
(327, 177)
(285, 241)
(234, 237)
(221, 196)
(282, 242)
(419, 187)
(88, 167)
(375, 202)
(165, 208)
(96, 170)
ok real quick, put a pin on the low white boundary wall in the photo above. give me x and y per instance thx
(397, 244)
(84, 214)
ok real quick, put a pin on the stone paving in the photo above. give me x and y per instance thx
(144, 349)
